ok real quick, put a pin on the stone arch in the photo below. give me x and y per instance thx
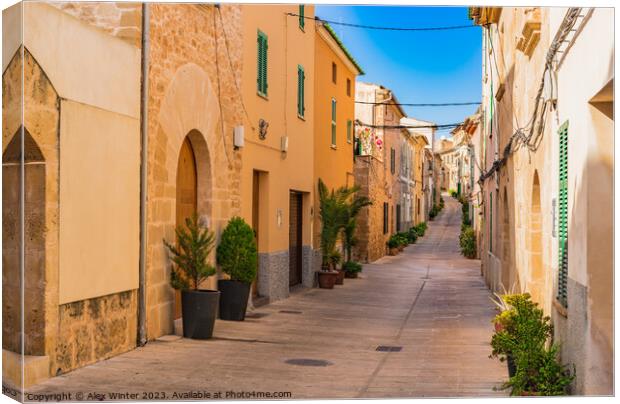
(188, 109)
(537, 277)
(34, 234)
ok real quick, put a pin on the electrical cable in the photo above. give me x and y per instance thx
(445, 104)
(346, 24)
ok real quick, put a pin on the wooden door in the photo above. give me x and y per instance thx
(186, 197)
(255, 222)
(295, 238)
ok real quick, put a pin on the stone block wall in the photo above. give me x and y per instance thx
(95, 329)
(194, 76)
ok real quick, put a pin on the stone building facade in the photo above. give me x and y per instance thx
(376, 167)
(89, 113)
(548, 201)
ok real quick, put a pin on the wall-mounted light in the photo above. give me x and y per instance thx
(238, 137)
(284, 144)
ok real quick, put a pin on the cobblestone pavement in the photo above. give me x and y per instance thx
(428, 300)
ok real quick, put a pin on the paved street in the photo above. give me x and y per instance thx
(427, 300)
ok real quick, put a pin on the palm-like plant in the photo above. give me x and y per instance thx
(194, 244)
(338, 214)
(353, 209)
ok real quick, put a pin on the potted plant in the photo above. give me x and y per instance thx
(392, 245)
(238, 257)
(331, 213)
(190, 267)
(351, 269)
(335, 257)
(522, 335)
(412, 235)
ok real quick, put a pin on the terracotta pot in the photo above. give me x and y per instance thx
(340, 278)
(327, 279)
(393, 251)
(401, 247)
(350, 275)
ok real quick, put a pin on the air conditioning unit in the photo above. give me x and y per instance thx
(238, 136)
(284, 144)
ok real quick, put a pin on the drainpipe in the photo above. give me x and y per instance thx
(143, 173)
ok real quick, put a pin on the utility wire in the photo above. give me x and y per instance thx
(442, 126)
(445, 104)
(346, 24)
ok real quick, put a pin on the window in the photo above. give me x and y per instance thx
(301, 78)
(562, 295)
(334, 122)
(349, 130)
(261, 79)
(349, 87)
(385, 217)
(392, 160)
(397, 218)
(334, 72)
(302, 19)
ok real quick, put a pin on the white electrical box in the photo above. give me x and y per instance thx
(238, 136)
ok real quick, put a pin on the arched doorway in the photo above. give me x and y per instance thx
(537, 279)
(186, 196)
(34, 233)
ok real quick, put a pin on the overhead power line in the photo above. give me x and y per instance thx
(442, 104)
(346, 24)
(442, 126)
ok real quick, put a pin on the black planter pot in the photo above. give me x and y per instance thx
(199, 312)
(512, 367)
(234, 299)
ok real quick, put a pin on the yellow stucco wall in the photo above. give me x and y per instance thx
(99, 190)
(288, 47)
(333, 164)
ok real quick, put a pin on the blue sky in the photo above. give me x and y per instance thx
(420, 67)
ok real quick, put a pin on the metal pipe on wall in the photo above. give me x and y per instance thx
(142, 337)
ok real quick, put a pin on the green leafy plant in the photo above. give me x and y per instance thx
(354, 205)
(393, 242)
(352, 267)
(412, 235)
(237, 254)
(467, 242)
(189, 256)
(453, 193)
(523, 333)
(433, 212)
(338, 210)
(402, 239)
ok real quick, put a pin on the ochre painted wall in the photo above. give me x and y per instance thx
(288, 47)
(333, 164)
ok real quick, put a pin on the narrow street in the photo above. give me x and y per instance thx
(428, 300)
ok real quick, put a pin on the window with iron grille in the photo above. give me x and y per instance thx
(562, 294)
(392, 160)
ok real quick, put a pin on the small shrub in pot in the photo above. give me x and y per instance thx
(237, 256)
(190, 268)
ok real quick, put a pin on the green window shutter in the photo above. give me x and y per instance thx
(302, 20)
(491, 222)
(301, 78)
(261, 78)
(349, 130)
(333, 122)
(562, 294)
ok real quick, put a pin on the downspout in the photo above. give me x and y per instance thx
(143, 173)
